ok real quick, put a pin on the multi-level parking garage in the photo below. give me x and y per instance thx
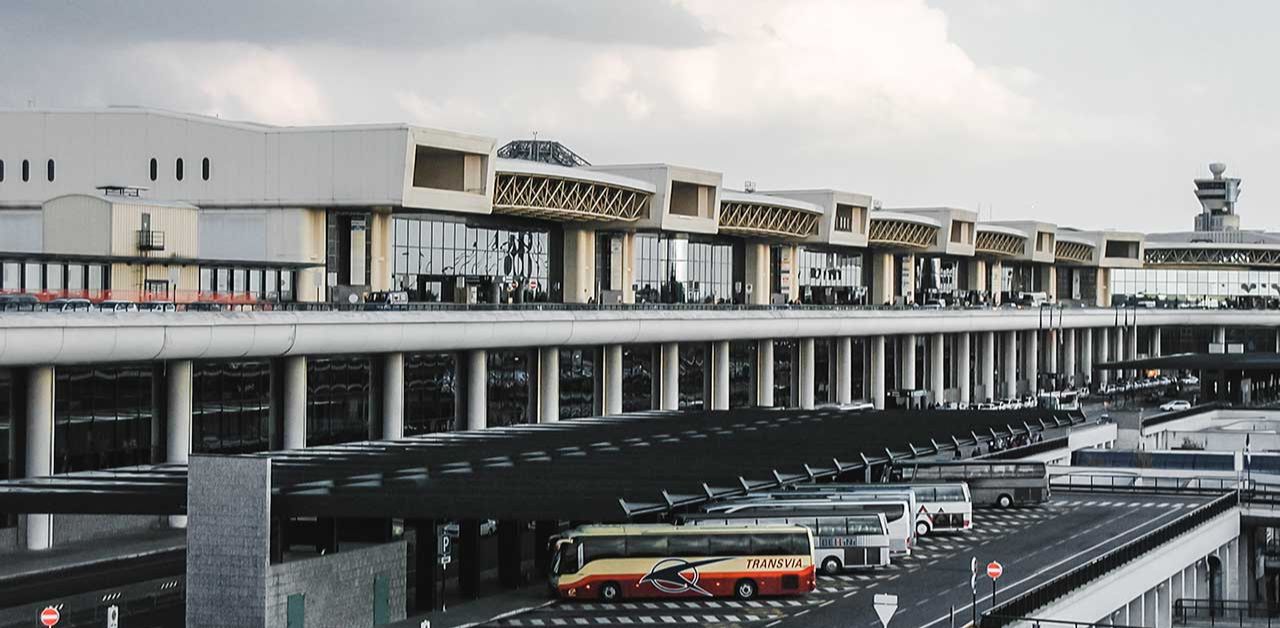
(528, 290)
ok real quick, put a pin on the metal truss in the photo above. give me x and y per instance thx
(996, 243)
(1213, 257)
(1065, 251)
(768, 220)
(890, 232)
(555, 198)
(547, 152)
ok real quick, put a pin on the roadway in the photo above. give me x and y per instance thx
(1034, 544)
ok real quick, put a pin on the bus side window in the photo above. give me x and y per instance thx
(770, 544)
(647, 546)
(799, 544)
(597, 547)
(688, 545)
(726, 544)
(831, 526)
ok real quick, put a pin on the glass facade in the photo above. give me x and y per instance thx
(1196, 286)
(337, 400)
(831, 277)
(637, 377)
(260, 284)
(677, 269)
(693, 364)
(231, 407)
(741, 361)
(103, 417)
(428, 393)
(782, 352)
(577, 383)
(433, 256)
(62, 278)
(508, 388)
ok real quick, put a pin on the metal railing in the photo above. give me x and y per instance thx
(1041, 622)
(1182, 414)
(1015, 453)
(1025, 604)
(1224, 612)
(1133, 483)
(150, 240)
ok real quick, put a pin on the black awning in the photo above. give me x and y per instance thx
(1257, 361)
(601, 469)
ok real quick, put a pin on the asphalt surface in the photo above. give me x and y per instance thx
(1033, 544)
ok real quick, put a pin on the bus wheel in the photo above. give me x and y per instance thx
(1004, 501)
(610, 592)
(745, 589)
(922, 528)
(831, 566)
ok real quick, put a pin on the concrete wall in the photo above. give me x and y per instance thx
(338, 587)
(228, 539)
(21, 231)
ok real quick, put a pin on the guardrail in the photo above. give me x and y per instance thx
(1121, 483)
(1040, 622)
(1182, 414)
(1224, 612)
(1014, 453)
(1023, 605)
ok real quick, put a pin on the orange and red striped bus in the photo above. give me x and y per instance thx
(611, 562)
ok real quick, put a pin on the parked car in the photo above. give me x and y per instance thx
(1176, 405)
(69, 305)
(19, 303)
(117, 305)
(158, 306)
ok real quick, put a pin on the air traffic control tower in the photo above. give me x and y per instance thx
(1218, 198)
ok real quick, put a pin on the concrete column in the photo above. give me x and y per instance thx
(1131, 349)
(178, 422)
(477, 389)
(1031, 355)
(579, 265)
(907, 357)
(963, 373)
(670, 374)
(987, 362)
(844, 370)
(1049, 281)
(39, 448)
(1104, 353)
(295, 402)
(937, 374)
(1069, 356)
(908, 279)
(1157, 342)
(756, 274)
(393, 395)
(1220, 335)
(549, 384)
(883, 281)
(1051, 363)
(977, 274)
(1010, 364)
(997, 281)
(1086, 356)
(805, 346)
(612, 379)
(764, 373)
(877, 371)
(719, 355)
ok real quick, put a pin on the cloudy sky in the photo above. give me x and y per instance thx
(1092, 113)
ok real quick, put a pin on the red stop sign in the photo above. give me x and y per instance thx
(50, 616)
(994, 570)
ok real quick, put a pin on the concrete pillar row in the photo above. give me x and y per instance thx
(1104, 354)
(764, 373)
(549, 384)
(39, 448)
(937, 374)
(806, 381)
(670, 376)
(844, 370)
(876, 369)
(295, 402)
(963, 374)
(1010, 364)
(720, 368)
(1031, 359)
